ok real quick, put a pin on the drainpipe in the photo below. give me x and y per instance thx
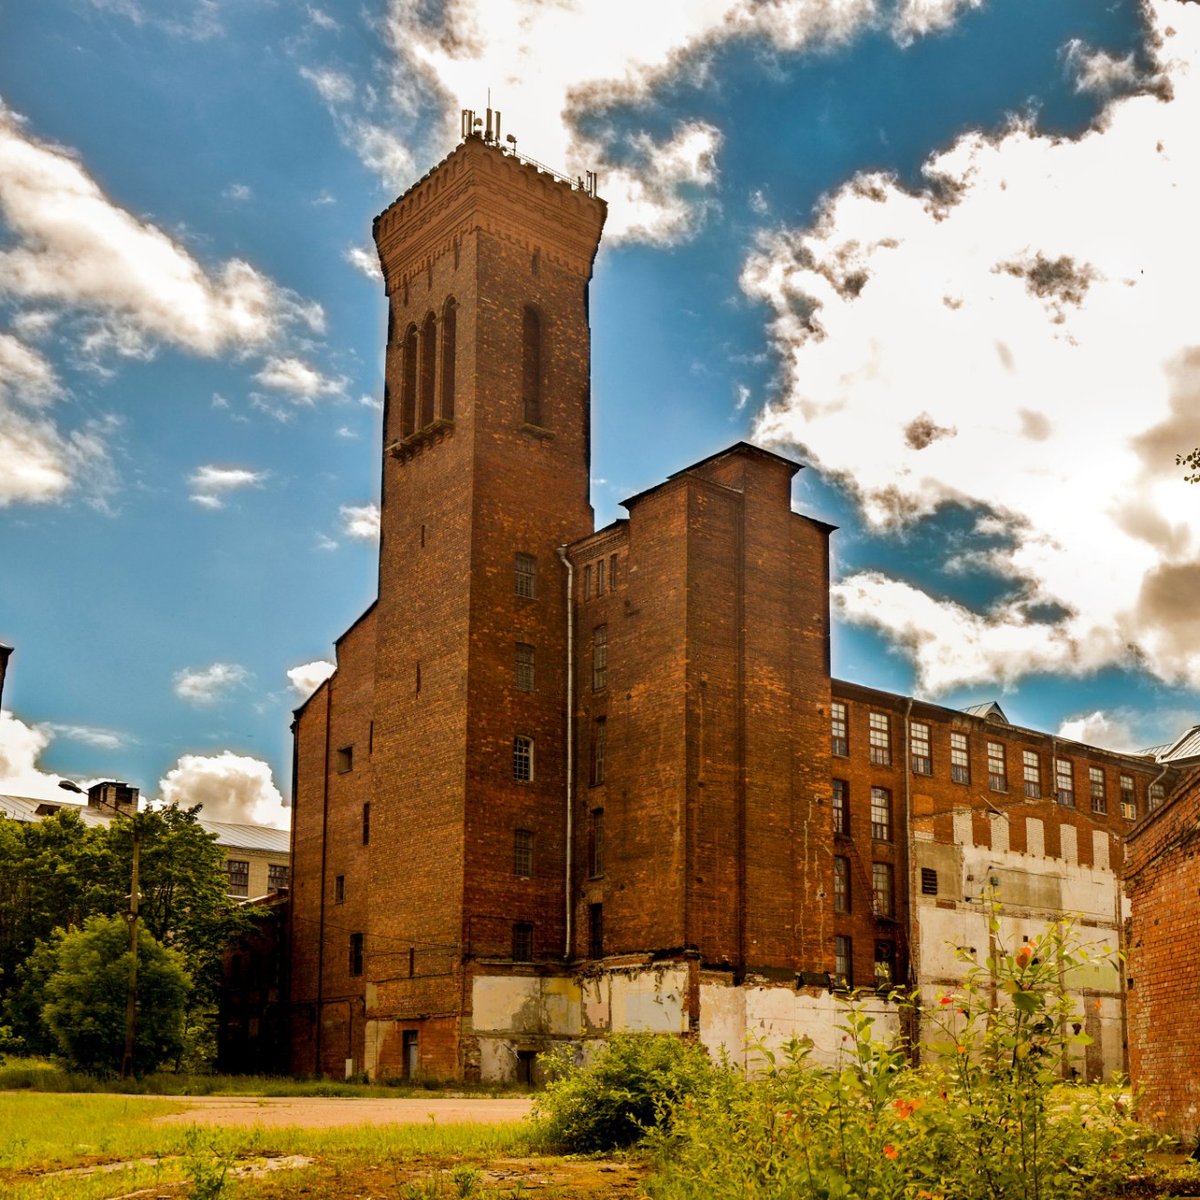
(562, 554)
(324, 860)
(910, 900)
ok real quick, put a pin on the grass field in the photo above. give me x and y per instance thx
(111, 1146)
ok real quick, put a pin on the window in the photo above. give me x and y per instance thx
(960, 758)
(612, 573)
(843, 962)
(600, 578)
(526, 576)
(919, 750)
(1031, 770)
(522, 766)
(599, 658)
(449, 330)
(599, 734)
(522, 941)
(928, 881)
(524, 667)
(339, 889)
(587, 582)
(238, 870)
(523, 853)
(277, 877)
(408, 383)
(343, 760)
(841, 884)
(428, 369)
(883, 890)
(1064, 783)
(881, 739)
(885, 964)
(366, 832)
(1096, 788)
(356, 954)
(841, 806)
(596, 843)
(1157, 796)
(881, 814)
(1128, 799)
(997, 770)
(595, 931)
(839, 737)
(531, 366)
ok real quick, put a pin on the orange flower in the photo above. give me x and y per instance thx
(890, 1151)
(1023, 956)
(1097, 1006)
(961, 1048)
(945, 999)
(906, 1108)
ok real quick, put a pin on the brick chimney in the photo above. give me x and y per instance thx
(110, 796)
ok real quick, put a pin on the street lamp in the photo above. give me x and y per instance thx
(132, 918)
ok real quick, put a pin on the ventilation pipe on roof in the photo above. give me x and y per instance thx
(562, 554)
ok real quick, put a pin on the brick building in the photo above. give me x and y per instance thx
(567, 781)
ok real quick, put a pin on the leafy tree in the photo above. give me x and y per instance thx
(1192, 463)
(85, 997)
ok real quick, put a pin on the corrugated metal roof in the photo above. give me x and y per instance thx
(1185, 747)
(229, 834)
(988, 711)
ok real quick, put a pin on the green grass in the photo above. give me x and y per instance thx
(43, 1132)
(37, 1075)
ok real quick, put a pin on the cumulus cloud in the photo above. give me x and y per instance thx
(206, 685)
(300, 380)
(1016, 338)
(210, 483)
(21, 747)
(529, 53)
(361, 521)
(1100, 729)
(1097, 71)
(228, 787)
(364, 259)
(307, 677)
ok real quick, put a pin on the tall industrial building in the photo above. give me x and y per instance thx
(566, 781)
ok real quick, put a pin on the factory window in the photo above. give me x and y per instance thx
(526, 576)
(522, 941)
(841, 884)
(277, 877)
(612, 573)
(928, 881)
(366, 823)
(840, 741)
(522, 760)
(595, 931)
(408, 383)
(449, 337)
(1064, 783)
(997, 770)
(596, 843)
(524, 667)
(600, 578)
(238, 870)
(883, 889)
(356, 954)
(599, 736)
(599, 658)
(1157, 796)
(587, 582)
(523, 853)
(343, 759)
(1096, 788)
(841, 806)
(885, 964)
(339, 889)
(881, 814)
(1031, 770)
(881, 739)
(531, 365)
(843, 962)
(919, 749)
(960, 758)
(1128, 799)
(428, 369)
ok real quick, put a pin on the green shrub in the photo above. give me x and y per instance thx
(632, 1085)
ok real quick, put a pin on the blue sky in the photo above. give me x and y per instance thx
(940, 250)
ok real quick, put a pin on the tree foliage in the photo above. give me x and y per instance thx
(1190, 462)
(86, 991)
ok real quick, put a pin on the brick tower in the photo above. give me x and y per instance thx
(486, 263)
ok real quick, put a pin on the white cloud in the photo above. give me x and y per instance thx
(307, 677)
(1100, 729)
(364, 259)
(21, 746)
(229, 787)
(101, 739)
(298, 379)
(1018, 338)
(209, 483)
(332, 86)
(1097, 71)
(201, 19)
(73, 247)
(238, 191)
(206, 685)
(321, 19)
(917, 18)
(361, 522)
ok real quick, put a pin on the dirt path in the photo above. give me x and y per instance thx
(321, 1112)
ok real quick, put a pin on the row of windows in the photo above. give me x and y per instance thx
(422, 400)
(843, 962)
(238, 872)
(883, 887)
(522, 943)
(879, 738)
(881, 811)
(523, 845)
(599, 577)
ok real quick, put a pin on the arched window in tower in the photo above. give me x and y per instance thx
(449, 319)
(531, 365)
(428, 369)
(408, 383)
